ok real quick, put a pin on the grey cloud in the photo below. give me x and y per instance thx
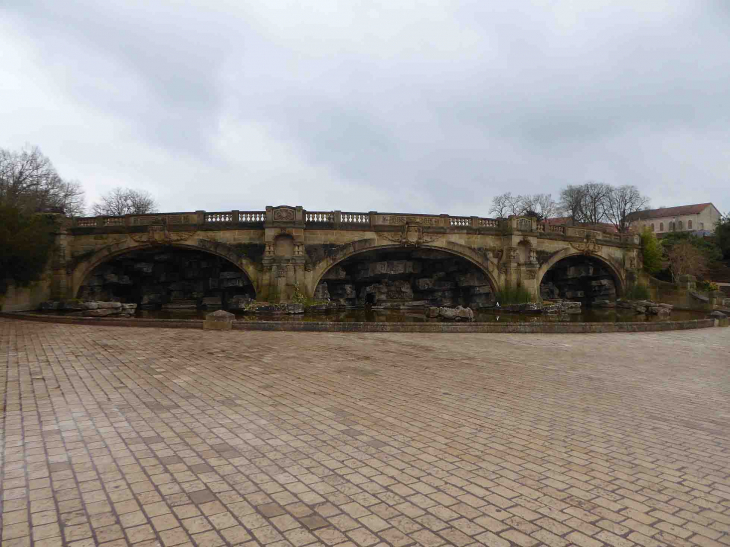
(399, 105)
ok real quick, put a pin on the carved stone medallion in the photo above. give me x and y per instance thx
(284, 214)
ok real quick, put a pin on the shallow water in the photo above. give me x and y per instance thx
(416, 316)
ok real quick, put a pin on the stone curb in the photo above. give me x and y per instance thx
(327, 326)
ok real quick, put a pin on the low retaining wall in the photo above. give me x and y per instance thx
(328, 326)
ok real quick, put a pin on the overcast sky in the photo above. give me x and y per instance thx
(413, 106)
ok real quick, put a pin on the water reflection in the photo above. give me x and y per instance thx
(417, 316)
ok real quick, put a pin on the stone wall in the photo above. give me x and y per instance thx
(578, 278)
(169, 279)
(405, 278)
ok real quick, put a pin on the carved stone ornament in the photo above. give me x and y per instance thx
(284, 214)
(588, 247)
(160, 235)
(530, 273)
(411, 236)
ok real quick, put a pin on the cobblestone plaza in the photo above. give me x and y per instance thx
(159, 437)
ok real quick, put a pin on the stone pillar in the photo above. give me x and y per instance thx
(373, 219)
(200, 217)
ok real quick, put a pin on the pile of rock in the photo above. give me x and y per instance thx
(89, 309)
(453, 314)
(278, 309)
(641, 307)
(551, 307)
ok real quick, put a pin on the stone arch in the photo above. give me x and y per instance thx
(83, 270)
(403, 277)
(364, 245)
(616, 272)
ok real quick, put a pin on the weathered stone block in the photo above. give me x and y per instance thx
(337, 272)
(219, 320)
(109, 305)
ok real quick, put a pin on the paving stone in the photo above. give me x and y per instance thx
(126, 436)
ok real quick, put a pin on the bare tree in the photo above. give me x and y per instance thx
(29, 182)
(571, 202)
(541, 206)
(125, 201)
(595, 202)
(686, 259)
(621, 202)
(506, 204)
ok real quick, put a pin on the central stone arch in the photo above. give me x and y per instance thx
(398, 267)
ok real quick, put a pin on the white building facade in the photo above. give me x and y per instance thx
(701, 218)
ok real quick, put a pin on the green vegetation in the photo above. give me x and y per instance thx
(722, 235)
(637, 291)
(300, 298)
(514, 295)
(651, 249)
(707, 286)
(707, 247)
(26, 242)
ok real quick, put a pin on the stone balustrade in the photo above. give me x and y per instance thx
(338, 219)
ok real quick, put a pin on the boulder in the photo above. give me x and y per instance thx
(212, 302)
(109, 305)
(239, 302)
(603, 304)
(718, 315)
(91, 305)
(144, 267)
(432, 312)
(464, 314)
(447, 313)
(640, 309)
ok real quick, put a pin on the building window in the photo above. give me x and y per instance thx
(680, 226)
(689, 224)
(661, 226)
(652, 226)
(702, 225)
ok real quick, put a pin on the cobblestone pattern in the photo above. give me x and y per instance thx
(126, 436)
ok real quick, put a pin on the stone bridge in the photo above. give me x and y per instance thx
(286, 253)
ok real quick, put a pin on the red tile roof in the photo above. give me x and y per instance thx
(669, 211)
(567, 221)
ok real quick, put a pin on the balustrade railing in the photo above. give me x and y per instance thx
(252, 217)
(460, 221)
(355, 218)
(258, 219)
(488, 223)
(314, 217)
(219, 217)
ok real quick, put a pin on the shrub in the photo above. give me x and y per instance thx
(638, 291)
(514, 295)
(651, 249)
(26, 242)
